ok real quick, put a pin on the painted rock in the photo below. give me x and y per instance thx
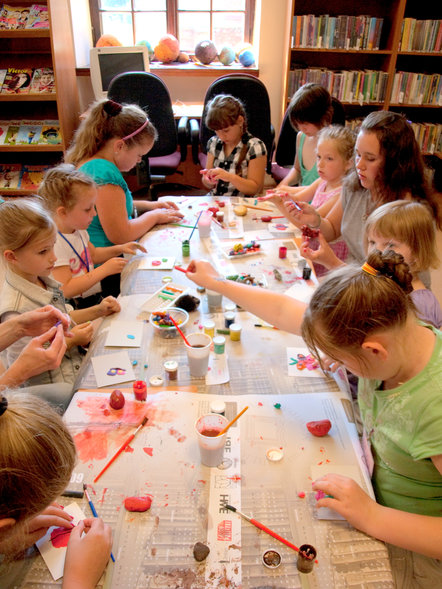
(116, 399)
(319, 428)
(138, 503)
(200, 551)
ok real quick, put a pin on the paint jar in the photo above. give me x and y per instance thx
(214, 300)
(306, 273)
(171, 369)
(156, 381)
(200, 289)
(218, 407)
(306, 558)
(229, 318)
(220, 216)
(271, 559)
(282, 252)
(235, 332)
(140, 390)
(209, 327)
(185, 248)
(211, 444)
(219, 343)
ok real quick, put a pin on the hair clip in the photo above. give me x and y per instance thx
(369, 269)
(112, 108)
(3, 405)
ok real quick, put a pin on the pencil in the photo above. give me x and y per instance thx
(118, 452)
(94, 511)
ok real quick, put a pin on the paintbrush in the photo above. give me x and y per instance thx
(223, 431)
(265, 326)
(94, 511)
(118, 452)
(179, 331)
(195, 226)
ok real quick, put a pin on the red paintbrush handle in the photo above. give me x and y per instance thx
(126, 443)
(273, 534)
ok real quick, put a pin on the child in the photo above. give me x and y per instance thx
(112, 139)
(27, 239)
(236, 161)
(310, 110)
(37, 457)
(408, 228)
(70, 196)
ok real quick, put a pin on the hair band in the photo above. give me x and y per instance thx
(3, 405)
(112, 108)
(369, 269)
(137, 130)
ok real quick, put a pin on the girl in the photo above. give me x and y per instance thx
(364, 319)
(70, 196)
(27, 239)
(37, 457)
(310, 110)
(112, 139)
(236, 161)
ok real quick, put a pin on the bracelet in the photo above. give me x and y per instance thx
(319, 222)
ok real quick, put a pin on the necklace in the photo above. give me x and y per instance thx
(85, 261)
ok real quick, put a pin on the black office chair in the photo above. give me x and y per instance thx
(286, 145)
(253, 94)
(151, 94)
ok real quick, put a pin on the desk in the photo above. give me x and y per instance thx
(154, 549)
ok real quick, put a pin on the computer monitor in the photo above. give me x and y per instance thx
(107, 62)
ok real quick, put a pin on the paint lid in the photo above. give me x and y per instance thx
(209, 324)
(156, 381)
(271, 559)
(235, 327)
(200, 289)
(170, 365)
(230, 307)
(166, 279)
(274, 454)
(217, 407)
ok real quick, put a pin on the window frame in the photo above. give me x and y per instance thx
(172, 19)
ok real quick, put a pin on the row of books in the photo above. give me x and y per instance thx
(421, 35)
(21, 177)
(336, 32)
(358, 86)
(414, 88)
(24, 17)
(24, 132)
(27, 80)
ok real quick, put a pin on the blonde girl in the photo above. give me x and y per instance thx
(70, 195)
(236, 161)
(27, 239)
(37, 456)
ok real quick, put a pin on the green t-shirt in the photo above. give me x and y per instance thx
(404, 426)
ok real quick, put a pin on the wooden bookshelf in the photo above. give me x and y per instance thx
(35, 48)
(388, 59)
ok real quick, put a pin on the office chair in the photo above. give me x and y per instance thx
(253, 94)
(286, 145)
(149, 92)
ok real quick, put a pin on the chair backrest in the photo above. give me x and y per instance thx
(286, 145)
(150, 93)
(253, 94)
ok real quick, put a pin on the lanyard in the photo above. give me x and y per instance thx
(85, 263)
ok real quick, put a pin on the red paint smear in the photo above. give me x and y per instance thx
(173, 432)
(129, 449)
(235, 478)
(94, 444)
(60, 537)
(98, 410)
(148, 451)
(201, 481)
(259, 404)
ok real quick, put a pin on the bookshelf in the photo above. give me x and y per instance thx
(349, 73)
(35, 48)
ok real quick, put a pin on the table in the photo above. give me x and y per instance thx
(154, 549)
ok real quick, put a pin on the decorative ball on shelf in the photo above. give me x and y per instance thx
(149, 48)
(205, 52)
(246, 58)
(183, 57)
(168, 49)
(240, 47)
(108, 41)
(227, 55)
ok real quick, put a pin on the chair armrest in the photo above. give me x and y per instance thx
(194, 127)
(183, 137)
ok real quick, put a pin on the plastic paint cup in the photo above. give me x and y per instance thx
(198, 353)
(229, 318)
(204, 224)
(171, 369)
(214, 300)
(209, 327)
(219, 343)
(282, 252)
(235, 332)
(210, 444)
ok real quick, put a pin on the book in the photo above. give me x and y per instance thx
(38, 17)
(9, 176)
(29, 133)
(14, 17)
(32, 176)
(17, 81)
(42, 81)
(50, 133)
(11, 133)
(4, 126)
(2, 77)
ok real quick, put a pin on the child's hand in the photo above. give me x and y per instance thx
(87, 555)
(108, 306)
(300, 212)
(81, 334)
(114, 265)
(207, 177)
(164, 204)
(321, 253)
(216, 174)
(202, 273)
(167, 215)
(347, 498)
(131, 248)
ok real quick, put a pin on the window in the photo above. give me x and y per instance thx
(130, 21)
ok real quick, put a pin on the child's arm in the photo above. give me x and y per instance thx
(323, 255)
(107, 306)
(419, 533)
(252, 184)
(102, 254)
(119, 229)
(294, 176)
(206, 174)
(74, 286)
(329, 224)
(150, 205)
(278, 309)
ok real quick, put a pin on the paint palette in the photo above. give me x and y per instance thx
(164, 297)
(243, 250)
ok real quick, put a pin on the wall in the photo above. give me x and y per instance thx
(272, 31)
